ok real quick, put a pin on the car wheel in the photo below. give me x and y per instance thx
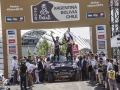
(76, 76)
(50, 78)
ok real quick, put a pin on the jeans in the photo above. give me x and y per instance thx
(112, 85)
(15, 77)
(93, 73)
(23, 80)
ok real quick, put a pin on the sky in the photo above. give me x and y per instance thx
(83, 32)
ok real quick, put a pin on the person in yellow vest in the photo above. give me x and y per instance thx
(112, 80)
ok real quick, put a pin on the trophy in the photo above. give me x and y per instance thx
(51, 33)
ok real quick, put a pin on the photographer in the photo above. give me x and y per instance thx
(22, 73)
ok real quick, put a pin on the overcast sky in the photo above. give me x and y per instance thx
(83, 32)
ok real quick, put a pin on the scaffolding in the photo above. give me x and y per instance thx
(114, 6)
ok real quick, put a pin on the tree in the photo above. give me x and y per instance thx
(43, 47)
(63, 47)
(29, 53)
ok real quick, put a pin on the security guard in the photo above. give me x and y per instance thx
(22, 73)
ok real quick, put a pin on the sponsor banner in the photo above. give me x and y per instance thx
(12, 49)
(95, 15)
(15, 19)
(100, 32)
(101, 45)
(75, 49)
(50, 11)
(11, 36)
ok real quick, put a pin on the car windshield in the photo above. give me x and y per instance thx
(61, 59)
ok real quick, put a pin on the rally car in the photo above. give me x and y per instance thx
(62, 70)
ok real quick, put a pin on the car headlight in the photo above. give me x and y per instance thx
(74, 66)
(52, 67)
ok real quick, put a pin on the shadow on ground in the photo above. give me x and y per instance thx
(93, 84)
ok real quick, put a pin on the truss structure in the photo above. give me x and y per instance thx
(114, 7)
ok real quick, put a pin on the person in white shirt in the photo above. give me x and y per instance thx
(115, 60)
(30, 70)
(104, 58)
(75, 59)
(15, 69)
(109, 64)
(27, 63)
(94, 64)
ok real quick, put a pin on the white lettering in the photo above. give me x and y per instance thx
(14, 8)
(71, 16)
(44, 17)
(69, 12)
(95, 4)
(65, 7)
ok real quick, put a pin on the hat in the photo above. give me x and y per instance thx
(57, 37)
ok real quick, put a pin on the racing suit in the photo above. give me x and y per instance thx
(69, 42)
(57, 48)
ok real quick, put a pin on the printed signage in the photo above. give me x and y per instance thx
(12, 49)
(11, 32)
(11, 37)
(50, 11)
(14, 8)
(101, 32)
(101, 45)
(75, 49)
(15, 19)
(96, 15)
(95, 4)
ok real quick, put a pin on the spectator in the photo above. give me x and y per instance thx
(100, 71)
(111, 79)
(31, 67)
(15, 69)
(22, 73)
(84, 68)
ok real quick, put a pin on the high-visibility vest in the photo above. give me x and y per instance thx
(111, 74)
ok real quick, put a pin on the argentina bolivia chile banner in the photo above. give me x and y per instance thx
(50, 11)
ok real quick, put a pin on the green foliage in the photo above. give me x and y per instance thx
(29, 53)
(52, 49)
(63, 47)
(43, 47)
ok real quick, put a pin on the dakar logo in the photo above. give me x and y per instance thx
(44, 13)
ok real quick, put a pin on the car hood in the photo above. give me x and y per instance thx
(68, 64)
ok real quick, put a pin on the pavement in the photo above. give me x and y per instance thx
(66, 85)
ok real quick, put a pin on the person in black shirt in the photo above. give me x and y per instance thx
(22, 73)
(57, 48)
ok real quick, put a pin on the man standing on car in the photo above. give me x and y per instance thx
(57, 48)
(69, 40)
